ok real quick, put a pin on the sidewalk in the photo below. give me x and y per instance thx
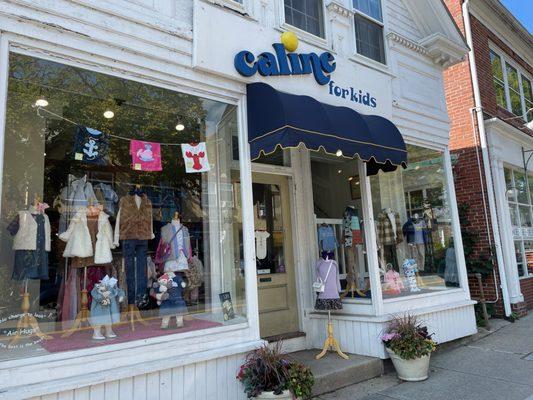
(498, 366)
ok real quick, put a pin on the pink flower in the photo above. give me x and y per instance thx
(389, 336)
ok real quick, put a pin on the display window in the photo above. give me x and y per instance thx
(519, 199)
(413, 226)
(119, 218)
(340, 228)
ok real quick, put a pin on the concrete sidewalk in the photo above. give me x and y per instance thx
(498, 366)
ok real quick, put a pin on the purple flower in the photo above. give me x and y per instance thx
(389, 336)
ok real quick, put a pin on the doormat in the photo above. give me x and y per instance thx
(82, 339)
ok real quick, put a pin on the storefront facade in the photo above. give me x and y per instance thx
(150, 82)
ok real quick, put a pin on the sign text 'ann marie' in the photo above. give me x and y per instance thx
(283, 63)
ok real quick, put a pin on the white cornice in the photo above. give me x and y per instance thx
(338, 8)
(510, 132)
(442, 50)
(396, 37)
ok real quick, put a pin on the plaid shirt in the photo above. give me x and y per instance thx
(385, 232)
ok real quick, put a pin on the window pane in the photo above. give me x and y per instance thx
(116, 194)
(514, 215)
(519, 258)
(416, 235)
(369, 38)
(525, 216)
(521, 187)
(371, 8)
(512, 78)
(526, 87)
(305, 15)
(516, 104)
(500, 93)
(496, 63)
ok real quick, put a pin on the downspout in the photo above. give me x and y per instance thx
(486, 160)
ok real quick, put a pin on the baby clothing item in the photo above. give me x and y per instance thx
(145, 156)
(261, 244)
(77, 195)
(90, 145)
(107, 197)
(106, 297)
(195, 157)
(177, 237)
(89, 238)
(329, 299)
(174, 304)
(31, 244)
(393, 282)
(326, 238)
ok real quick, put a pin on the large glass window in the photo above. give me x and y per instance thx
(306, 15)
(119, 217)
(413, 226)
(368, 21)
(513, 90)
(339, 220)
(518, 194)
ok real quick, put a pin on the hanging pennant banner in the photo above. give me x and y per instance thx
(145, 156)
(195, 156)
(90, 145)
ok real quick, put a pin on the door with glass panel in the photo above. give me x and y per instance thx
(278, 309)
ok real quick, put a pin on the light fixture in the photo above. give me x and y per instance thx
(417, 167)
(109, 114)
(180, 127)
(357, 182)
(41, 102)
(339, 171)
(339, 153)
(350, 178)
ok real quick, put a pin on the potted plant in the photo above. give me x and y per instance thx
(268, 374)
(410, 346)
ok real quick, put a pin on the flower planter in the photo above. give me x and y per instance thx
(286, 395)
(410, 370)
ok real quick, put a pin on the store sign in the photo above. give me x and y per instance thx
(283, 63)
(352, 94)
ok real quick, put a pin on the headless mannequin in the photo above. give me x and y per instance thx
(176, 223)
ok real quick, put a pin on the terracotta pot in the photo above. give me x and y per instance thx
(286, 395)
(410, 370)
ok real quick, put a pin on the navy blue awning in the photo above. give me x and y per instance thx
(277, 119)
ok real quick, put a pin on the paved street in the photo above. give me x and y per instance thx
(498, 366)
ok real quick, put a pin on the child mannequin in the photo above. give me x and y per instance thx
(173, 305)
(104, 307)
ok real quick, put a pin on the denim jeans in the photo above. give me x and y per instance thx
(135, 261)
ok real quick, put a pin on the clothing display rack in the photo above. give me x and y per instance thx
(82, 318)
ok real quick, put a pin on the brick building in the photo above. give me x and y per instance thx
(489, 99)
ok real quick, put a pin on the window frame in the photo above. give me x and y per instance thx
(375, 21)
(321, 41)
(521, 73)
(512, 201)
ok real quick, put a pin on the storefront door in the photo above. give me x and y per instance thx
(278, 309)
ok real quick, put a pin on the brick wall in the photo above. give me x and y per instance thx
(464, 144)
(526, 286)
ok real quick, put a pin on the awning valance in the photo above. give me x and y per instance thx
(277, 119)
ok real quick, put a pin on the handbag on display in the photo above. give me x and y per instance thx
(164, 249)
(319, 285)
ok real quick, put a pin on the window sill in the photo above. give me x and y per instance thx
(368, 62)
(66, 370)
(306, 37)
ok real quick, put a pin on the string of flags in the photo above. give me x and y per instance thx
(92, 146)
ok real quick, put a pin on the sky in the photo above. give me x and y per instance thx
(522, 10)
